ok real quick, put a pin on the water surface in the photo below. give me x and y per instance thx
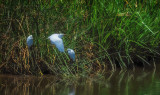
(138, 82)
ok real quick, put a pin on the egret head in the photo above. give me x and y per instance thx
(69, 49)
(30, 37)
(60, 35)
(56, 35)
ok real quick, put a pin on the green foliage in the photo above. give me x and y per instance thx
(103, 33)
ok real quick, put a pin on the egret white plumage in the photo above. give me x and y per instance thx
(56, 39)
(71, 54)
(30, 41)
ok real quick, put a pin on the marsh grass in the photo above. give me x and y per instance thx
(104, 34)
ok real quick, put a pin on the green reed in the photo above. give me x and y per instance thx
(104, 34)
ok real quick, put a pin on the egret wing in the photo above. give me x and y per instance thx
(59, 45)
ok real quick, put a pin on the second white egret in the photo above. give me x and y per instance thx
(71, 54)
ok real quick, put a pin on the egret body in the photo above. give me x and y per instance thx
(56, 39)
(71, 54)
(30, 41)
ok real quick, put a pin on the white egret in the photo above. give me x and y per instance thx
(30, 41)
(71, 54)
(56, 39)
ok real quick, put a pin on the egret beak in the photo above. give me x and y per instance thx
(47, 38)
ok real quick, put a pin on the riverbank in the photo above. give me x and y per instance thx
(105, 35)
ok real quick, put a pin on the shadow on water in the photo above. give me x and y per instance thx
(138, 82)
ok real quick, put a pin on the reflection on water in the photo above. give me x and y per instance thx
(138, 82)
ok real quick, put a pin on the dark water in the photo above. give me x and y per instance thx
(138, 82)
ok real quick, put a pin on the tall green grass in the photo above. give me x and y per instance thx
(104, 34)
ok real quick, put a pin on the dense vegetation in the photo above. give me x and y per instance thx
(105, 34)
